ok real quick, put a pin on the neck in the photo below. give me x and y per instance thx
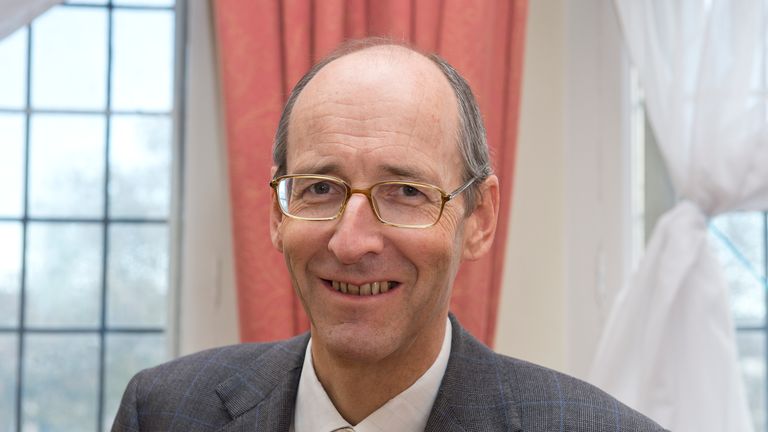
(358, 387)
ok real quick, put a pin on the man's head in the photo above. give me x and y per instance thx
(470, 135)
(382, 113)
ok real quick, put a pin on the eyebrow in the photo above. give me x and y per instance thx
(397, 171)
(323, 169)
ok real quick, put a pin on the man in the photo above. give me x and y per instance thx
(383, 187)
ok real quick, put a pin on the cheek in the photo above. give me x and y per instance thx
(436, 261)
(436, 251)
(451, 231)
(300, 241)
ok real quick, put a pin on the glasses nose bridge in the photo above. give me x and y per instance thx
(365, 192)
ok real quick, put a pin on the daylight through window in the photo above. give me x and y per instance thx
(87, 138)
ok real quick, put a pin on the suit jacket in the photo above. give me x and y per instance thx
(253, 387)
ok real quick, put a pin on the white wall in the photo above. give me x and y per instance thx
(568, 246)
(598, 213)
(532, 320)
(207, 308)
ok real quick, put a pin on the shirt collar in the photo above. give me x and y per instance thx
(408, 411)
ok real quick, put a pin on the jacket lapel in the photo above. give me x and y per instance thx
(263, 397)
(474, 393)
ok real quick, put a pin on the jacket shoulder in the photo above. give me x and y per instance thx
(549, 399)
(220, 361)
(497, 392)
(204, 369)
(183, 394)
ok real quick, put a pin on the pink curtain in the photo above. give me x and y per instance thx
(266, 46)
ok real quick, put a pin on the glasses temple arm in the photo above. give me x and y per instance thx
(462, 188)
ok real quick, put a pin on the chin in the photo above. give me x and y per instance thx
(356, 341)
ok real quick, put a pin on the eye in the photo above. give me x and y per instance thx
(410, 191)
(320, 188)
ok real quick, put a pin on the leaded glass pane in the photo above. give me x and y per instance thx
(142, 65)
(140, 166)
(752, 361)
(137, 275)
(152, 3)
(69, 59)
(11, 164)
(13, 73)
(60, 382)
(738, 241)
(10, 273)
(8, 368)
(126, 355)
(67, 165)
(64, 274)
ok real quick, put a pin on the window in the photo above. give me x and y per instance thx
(87, 175)
(739, 240)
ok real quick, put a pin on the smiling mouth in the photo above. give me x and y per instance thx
(366, 289)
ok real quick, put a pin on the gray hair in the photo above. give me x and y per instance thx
(471, 136)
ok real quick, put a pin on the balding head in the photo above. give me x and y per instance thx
(372, 218)
(468, 133)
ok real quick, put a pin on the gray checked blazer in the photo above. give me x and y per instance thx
(252, 387)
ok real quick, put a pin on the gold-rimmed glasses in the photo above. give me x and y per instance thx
(402, 204)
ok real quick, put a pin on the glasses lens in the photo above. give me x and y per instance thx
(311, 197)
(407, 203)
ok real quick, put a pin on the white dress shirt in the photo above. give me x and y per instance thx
(406, 412)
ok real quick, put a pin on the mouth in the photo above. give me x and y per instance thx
(365, 289)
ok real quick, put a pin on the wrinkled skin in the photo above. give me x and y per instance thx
(380, 114)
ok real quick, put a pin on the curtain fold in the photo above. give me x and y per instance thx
(18, 13)
(668, 347)
(266, 46)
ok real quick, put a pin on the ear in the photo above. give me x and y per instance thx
(480, 227)
(275, 218)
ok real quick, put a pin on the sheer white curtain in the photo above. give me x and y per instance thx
(668, 347)
(15, 14)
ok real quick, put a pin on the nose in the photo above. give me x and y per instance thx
(357, 232)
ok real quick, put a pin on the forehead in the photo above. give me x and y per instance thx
(384, 106)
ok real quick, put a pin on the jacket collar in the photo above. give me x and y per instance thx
(474, 393)
(265, 394)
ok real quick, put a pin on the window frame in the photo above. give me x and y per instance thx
(176, 115)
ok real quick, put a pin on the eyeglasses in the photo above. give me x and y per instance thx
(401, 204)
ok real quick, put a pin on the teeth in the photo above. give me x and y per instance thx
(371, 288)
